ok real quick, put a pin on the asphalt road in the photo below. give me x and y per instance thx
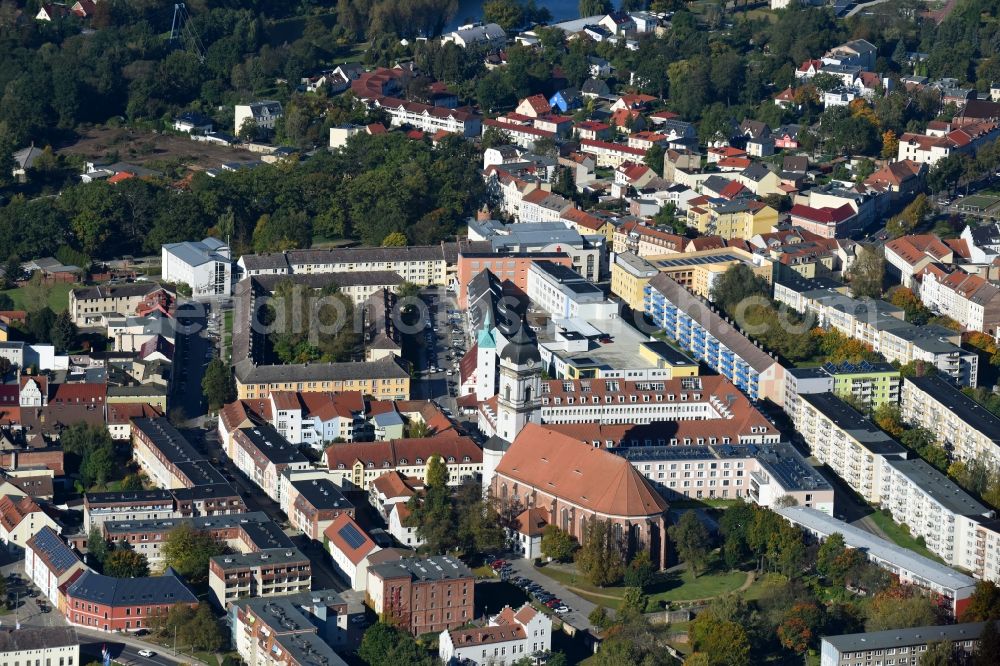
(195, 349)
(442, 349)
(579, 607)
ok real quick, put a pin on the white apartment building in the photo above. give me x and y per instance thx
(761, 474)
(205, 266)
(40, 645)
(882, 327)
(430, 119)
(49, 562)
(954, 526)
(850, 444)
(565, 294)
(911, 568)
(968, 299)
(611, 154)
(509, 637)
(964, 427)
(263, 113)
(542, 206)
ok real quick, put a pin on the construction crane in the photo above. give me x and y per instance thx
(181, 29)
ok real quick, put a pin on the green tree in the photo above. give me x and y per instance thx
(600, 557)
(692, 541)
(867, 273)
(939, 653)
(124, 563)
(557, 544)
(640, 571)
(188, 551)
(218, 384)
(98, 466)
(722, 643)
(203, 632)
(508, 14)
(385, 645)
(599, 617)
(901, 607)
(97, 547)
(633, 601)
(64, 332)
(594, 7)
(984, 604)
(395, 239)
(654, 158)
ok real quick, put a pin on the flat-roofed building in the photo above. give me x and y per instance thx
(964, 427)
(564, 293)
(909, 566)
(263, 454)
(698, 329)
(902, 646)
(423, 594)
(266, 573)
(312, 504)
(629, 276)
(296, 629)
(850, 444)
(153, 504)
(761, 473)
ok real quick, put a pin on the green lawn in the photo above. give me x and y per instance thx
(58, 296)
(898, 536)
(674, 586)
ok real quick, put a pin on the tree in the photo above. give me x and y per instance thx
(901, 607)
(89, 450)
(218, 384)
(508, 14)
(738, 285)
(557, 544)
(640, 571)
(600, 557)
(867, 272)
(722, 643)
(98, 466)
(692, 541)
(654, 158)
(828, 552)
(595, 7)
(64, 332)
(799, 626)
(395, 239)
(97, 547)
(131, 482)
(984, 604)
(124, 563)
(633, 601)
(202, 632)
(599, 617)
(385, 645)
(890, 145)
(188, 551)
(939, 653)
(989, 645)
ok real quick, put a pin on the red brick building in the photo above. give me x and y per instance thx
(123, 604)
(574, 482)
(510, 267)
(423, 595)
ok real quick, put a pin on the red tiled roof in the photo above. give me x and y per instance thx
(532, 522)
(538, 103)
(354, 554)
(591, 478)
(389, 454)
(825, 215)
(13, 510)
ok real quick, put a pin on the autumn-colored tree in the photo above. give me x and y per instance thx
(890, 145)
(890, 419)
(860, 109)
(795, 635)
(900, 607)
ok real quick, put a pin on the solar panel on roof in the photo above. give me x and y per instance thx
(59, 555)
(350, 534)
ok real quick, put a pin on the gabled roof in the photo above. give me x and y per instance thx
(53, 551)
(346, 535)
(14, 510)
(395, 452)
(589, 477)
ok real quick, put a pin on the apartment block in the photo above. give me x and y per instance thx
(266, 573)
(956, 588)
(708, 336)
(966, 429)
(903, 647)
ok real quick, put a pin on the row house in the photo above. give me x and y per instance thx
(611, 154)
(356, 466)
(968, 299)
(519, 133)
(262, 454)
(929, 150)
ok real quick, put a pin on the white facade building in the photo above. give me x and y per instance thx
(565, 294)
(509, 637)
(205, 266)
(264, 113)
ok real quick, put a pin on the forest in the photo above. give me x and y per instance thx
(375, 186)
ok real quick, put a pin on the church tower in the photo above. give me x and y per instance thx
(520, 385)
(486, 360)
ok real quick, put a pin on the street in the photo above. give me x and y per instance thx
(440, 347)
(580, 608)
(195, 348)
